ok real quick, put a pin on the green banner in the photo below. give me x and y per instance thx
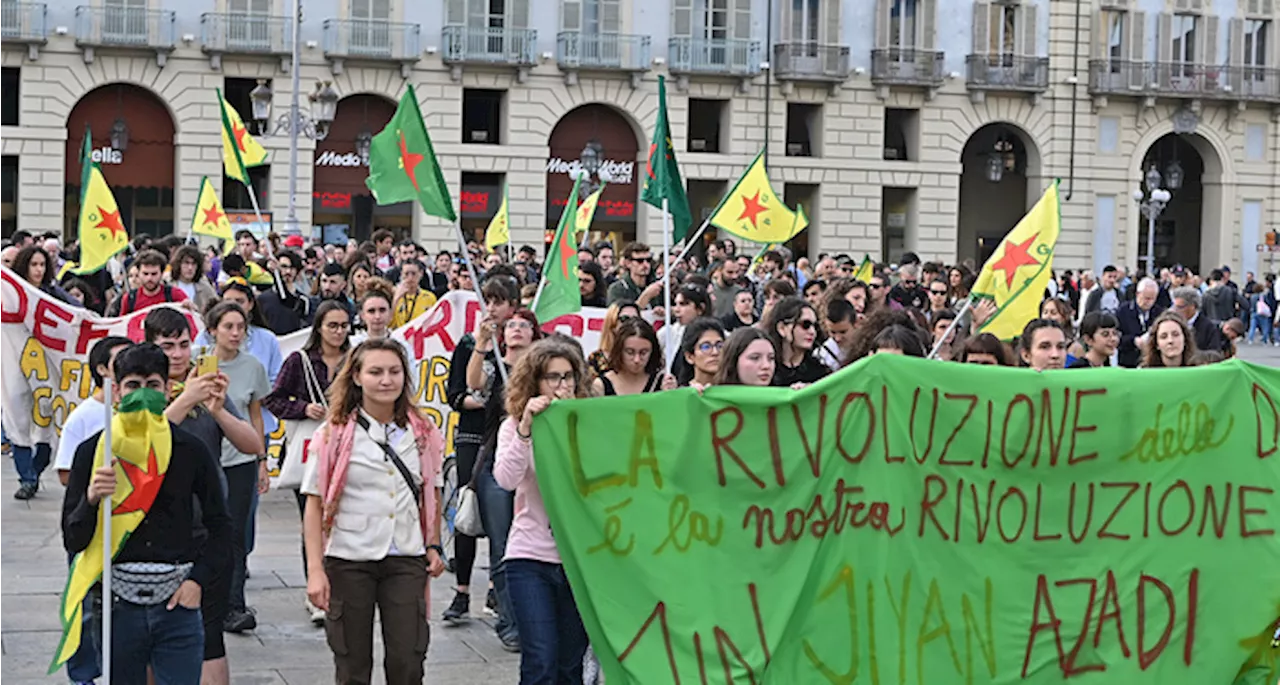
(987, 526)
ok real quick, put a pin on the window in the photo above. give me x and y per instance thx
(601, 16)
(1115, 31)
(9, 194)
(1003, 33)
(804, 21)
(9, 103)
(236, 196)
(124, 21)
(496, 14)
(236, 91)
(706, 118)
(902, 29)
(804, 127)
(370, 33)
(1255, 48)
(901, 133)
(713, 15)
(482, 116)
(1183, 35)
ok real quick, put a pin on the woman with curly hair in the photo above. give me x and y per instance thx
(1171, 343)
(186, 273)
(862, 341)
(552, 637)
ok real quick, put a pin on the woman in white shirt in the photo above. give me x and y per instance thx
(371, 525)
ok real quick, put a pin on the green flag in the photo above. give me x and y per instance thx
(993, 525)
(662, 175)
(559, 293)
(402, 163)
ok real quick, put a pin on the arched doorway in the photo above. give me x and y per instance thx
(133, 133)
(999, 163)
(1175, 164)
(342, 207)
(596, 137)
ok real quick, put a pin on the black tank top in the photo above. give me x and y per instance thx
(650, 386)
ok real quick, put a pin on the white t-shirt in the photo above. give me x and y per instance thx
(84, 421)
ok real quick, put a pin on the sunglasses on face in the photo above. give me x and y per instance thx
(938, 292)
(875, 285)
(909, 282)
(805, 324)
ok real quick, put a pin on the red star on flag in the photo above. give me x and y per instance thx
(751, 209)
(212, 215)
(1016, 256)
(567, 250)
(110, 221)
(146, 485)
(409, 160)
(239, 131)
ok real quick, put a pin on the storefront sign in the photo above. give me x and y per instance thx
(332, 158)
(331, 200)
(107, 155)
(616, 209)
(621, 172)
(475, 201)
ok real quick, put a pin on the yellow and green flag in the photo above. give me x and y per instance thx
(499, 231)
(239, 149)
(142, 446)
(866, 269)
(209, 218)
(587, 210)
(1016, 275)
(101, 230)
(751, 210)
(559, 292)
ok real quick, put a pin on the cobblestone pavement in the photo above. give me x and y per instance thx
(285, 649)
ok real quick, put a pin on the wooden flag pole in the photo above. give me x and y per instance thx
(475, 285)
(666, 285)
(108, 459)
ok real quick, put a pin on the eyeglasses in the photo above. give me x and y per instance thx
(336, 326)
(625, 318)
(557, 379)
(805, 324)
(709, 346)
(520, 324)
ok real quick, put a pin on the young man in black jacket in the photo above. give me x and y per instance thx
(160, 572)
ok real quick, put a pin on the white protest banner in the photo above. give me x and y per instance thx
(45, 357)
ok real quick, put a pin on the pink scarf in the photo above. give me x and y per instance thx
(332, 446)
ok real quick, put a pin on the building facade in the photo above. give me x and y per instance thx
(922, 125)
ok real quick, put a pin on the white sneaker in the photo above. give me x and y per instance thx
(317, 614)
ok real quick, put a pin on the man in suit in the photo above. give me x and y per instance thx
(1186, 301)
(1135, 320)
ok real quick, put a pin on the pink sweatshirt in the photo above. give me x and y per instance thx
(530, 536)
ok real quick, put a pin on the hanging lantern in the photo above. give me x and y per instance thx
(1173, 175)
(260, 100)
(995, 167)
(120, 135)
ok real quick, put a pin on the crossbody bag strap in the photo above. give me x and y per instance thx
(395, 459)
(313, 382)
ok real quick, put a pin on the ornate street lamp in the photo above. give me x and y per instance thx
(1151, 203)
(364, 141)
(120, 135)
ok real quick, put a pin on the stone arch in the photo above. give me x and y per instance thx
(623, 151)
(985, 216)
(638, 107)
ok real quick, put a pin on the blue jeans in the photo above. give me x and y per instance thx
(1262, 324)
(30, 462)
(552, 638)
(86, 664)
(171, 642)
(497, 508)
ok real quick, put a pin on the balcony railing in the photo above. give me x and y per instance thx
(1183, 80)
(246, 33)
(810, 62)
(469, 45)
(125, 27)
(602, 51)
(1007, 73)
(728, 57)
(371, 39)
(907, 67)
(23, 22)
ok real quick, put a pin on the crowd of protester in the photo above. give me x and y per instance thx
(736, 320)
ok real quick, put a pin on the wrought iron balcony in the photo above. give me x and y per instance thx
(245, 33)
(1183, 80)
(24, 23)
(125, 27)
(1007, 73)
(583, 51)
(811, 62)
(490, 46)
(907, 67)
(736, 57)
(371, 40)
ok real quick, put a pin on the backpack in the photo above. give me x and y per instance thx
(130, 299)
(1262, 308)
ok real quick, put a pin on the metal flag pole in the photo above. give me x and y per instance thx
(253, 200)
(666, 284)
(475, 284)
(968, 304)
(693, 239)
(108, 459)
